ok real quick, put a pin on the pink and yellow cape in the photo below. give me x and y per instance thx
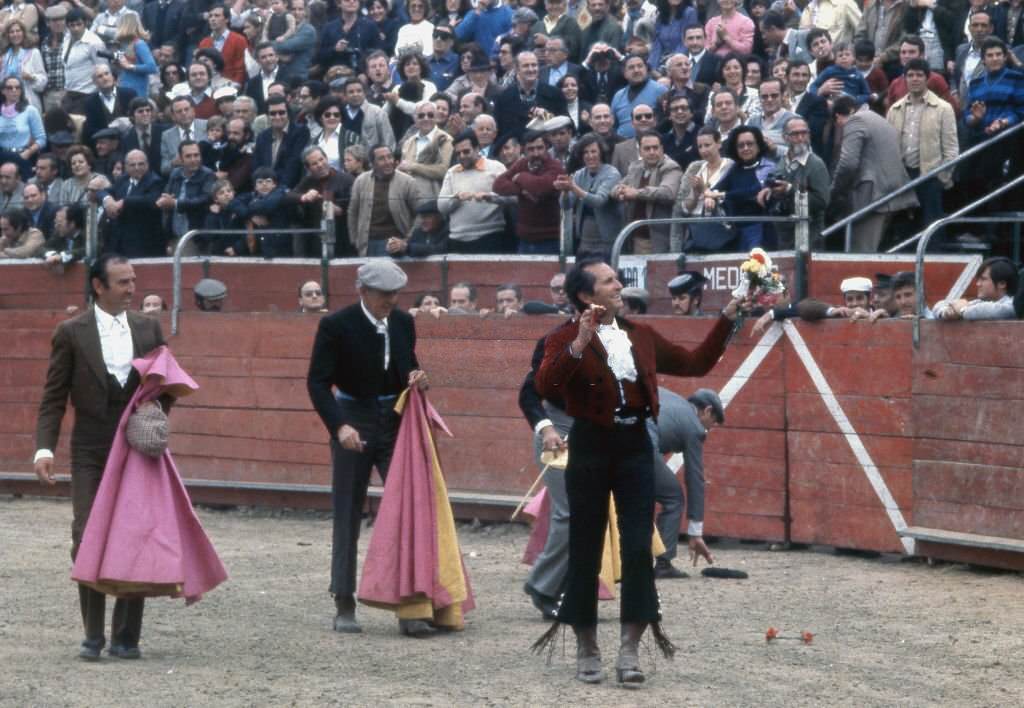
(413, 564)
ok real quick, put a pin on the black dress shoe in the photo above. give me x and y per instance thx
(123, 652)
(416, 628)
(664, 570)
(90, 650)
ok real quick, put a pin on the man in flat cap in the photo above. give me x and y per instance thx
(367, 351)
(856, 306)
(210, 295)
(687, 291)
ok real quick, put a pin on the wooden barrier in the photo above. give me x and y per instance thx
(837, 432)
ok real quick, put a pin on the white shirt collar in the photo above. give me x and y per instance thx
(373, 320)
(107, 321)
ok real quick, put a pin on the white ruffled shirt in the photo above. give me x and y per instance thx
(620, 351)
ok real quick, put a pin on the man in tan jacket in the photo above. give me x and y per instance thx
(648, 191)
(927, 132)
(383, 204)
(426, 154)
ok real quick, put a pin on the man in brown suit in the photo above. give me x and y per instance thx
(90, 361)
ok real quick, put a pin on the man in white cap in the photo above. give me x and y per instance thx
(856, 305)
(367, 351)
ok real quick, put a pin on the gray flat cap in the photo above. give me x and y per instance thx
(638, 293)
(688, 282)
(704, 397)
(381, 274)
(557, 123)
(210, 289)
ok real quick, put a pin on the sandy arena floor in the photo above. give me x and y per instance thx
(886, 632)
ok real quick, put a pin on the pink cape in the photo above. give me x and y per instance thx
(413, 564)
(143, 538)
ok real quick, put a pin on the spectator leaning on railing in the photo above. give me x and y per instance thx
(997, 285)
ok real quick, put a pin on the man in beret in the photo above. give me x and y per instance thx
(687, 291)
(367, 351)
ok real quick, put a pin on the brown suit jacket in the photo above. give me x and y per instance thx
(588, 386)
(77, 371)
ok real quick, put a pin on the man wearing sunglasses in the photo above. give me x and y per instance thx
(427, 153)
(443, 62)
(281, 147)
(311, 298)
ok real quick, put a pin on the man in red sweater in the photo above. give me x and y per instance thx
(912, 47)
(231, 45)
(531, 180)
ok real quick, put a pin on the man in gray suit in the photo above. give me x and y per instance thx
(91, 363)
(186, 127)
(870, 166)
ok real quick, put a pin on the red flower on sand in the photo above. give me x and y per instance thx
(807, 637)
(771, 634)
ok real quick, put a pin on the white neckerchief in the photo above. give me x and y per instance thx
(382, 328)
(620, 351)
(116, 343)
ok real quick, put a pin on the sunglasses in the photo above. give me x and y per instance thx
(443, 36)
(312, 293)
(425, 115)
(643, 116)
(332, 114)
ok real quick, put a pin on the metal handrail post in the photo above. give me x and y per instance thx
(922, 246)
(91, 244)
(629, 228)
(328, 237)
(965, 210)
(802, 242)
(944, 167)
(849, 237)
(189, 235)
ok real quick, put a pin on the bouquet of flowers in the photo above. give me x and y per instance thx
(760, 283)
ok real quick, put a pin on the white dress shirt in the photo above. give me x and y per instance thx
(620, 351)
(382, 328)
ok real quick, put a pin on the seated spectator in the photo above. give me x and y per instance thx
(878, 83)
(559, 301)
(426, 154)
(837, 20)
(649, 191)
(730, 31)
(725, 115)
(152, 304)
(235, 164)
(107, 103)
(17, 238)
(842, 78)
(383, 204)
(222, 215)
(187, 195)
(744, 190)
(773, 116)
(698, 195)
(912, 47)
(427, 303)
(321, 183)
(687, 292)
(311, 297)
(210, 295)
(996, 284)
(732, 77)
(41, 211)
(520, 102)
(902, 297)
(462, 299)
(47, 175)
(508, 150)
(186, 127)
(263, 208)
(467, 197)
(681, 138)
(559, 135)
(532, 181)
(856, 303)
(594, 218)
(67, 245)
(354, 160)
(628, 151)
(428, 238)
(635, 301)
(21, 128)
(486, 130)
(509, 300)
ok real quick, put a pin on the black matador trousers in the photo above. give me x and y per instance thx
(602, 462)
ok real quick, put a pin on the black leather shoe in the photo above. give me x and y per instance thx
(664, 570)
(90, 650)
(345, 619)
(416, 628)
(123, 652)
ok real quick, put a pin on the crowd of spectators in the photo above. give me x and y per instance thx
(493, 127)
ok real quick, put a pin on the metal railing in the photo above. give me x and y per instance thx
(966, 210)
(326, 233)
(922, 246)
(847, 221)
(800, 222)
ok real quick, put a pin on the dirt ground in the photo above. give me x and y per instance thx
(887, 632)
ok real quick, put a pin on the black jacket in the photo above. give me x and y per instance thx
(513, 114)
(130, 141)
(288, 165)
(97, 117)
(349, 354)
(814, 110)
(169, 31)
(136, 233)
(591, 91)
(198, 194)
